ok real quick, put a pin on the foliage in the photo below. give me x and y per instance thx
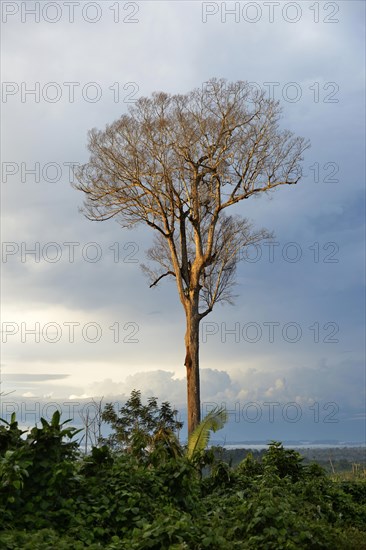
(10, 434)
(53, 497)
(284, 462)
(37, 473)
(198, 439)
(139, 428)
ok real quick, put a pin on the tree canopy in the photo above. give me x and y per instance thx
(176, 162)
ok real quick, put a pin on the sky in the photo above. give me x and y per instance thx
(78, 319)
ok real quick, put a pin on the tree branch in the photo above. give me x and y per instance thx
(161, 276)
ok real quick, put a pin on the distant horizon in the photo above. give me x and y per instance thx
(311, 429)
(294, 444)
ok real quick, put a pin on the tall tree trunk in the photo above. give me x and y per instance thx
(192, 366)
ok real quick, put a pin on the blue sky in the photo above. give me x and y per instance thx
(295, 337)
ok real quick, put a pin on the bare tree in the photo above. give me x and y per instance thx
(92, 425)
(176, 163)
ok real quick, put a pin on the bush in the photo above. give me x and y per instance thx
(155, 497)
(37, 474)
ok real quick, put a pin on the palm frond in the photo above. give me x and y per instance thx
(199, 438)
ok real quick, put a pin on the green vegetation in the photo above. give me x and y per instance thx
(141, 489)
(339, 462)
